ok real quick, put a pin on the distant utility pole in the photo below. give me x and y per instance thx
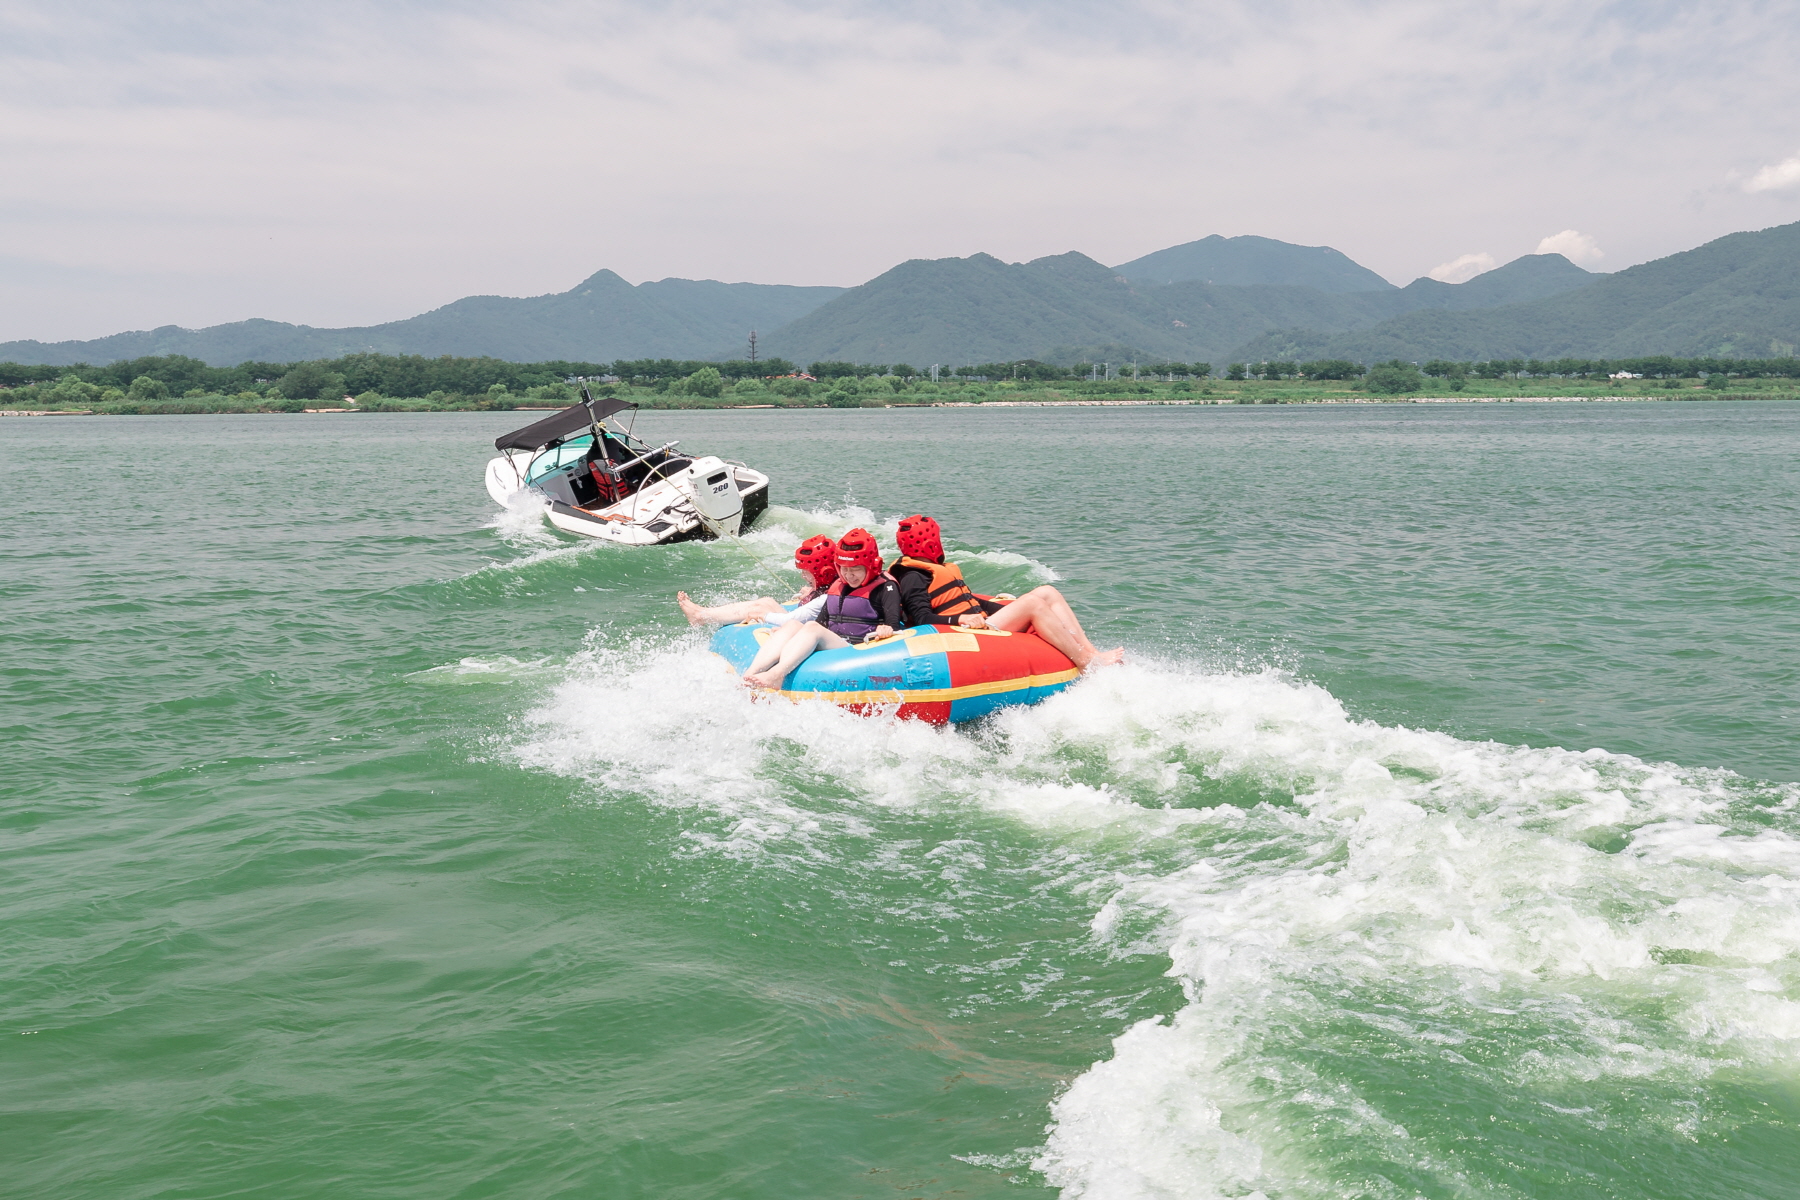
(1134, 377)
(1093, 372)
(753, 345)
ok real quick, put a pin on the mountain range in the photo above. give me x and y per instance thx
(600, 319)
(1069, 308)
(1735, 297)
(1216, 300)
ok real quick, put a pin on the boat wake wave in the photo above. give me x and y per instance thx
(1548, 943)
(521, 528)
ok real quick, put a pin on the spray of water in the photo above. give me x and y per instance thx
(1574, 939)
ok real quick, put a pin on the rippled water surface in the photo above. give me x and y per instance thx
(1439, 841)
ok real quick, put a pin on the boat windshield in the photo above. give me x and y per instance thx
(578, 448)
(557, 457)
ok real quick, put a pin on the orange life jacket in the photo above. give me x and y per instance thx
(950, 596)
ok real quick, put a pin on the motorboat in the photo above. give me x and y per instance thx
(595, 480)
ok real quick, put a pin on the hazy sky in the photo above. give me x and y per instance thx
(337, 164)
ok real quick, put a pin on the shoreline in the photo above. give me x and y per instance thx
(1182, 402)
(1321, 400)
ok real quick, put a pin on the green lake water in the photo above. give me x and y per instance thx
(1439, 839)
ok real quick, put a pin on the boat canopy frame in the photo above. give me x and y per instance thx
(539, 435)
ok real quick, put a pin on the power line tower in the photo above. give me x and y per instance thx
(753, 345)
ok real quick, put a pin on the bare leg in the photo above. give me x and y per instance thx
(812, 636)
(1045, 608)
(725, 614)
(770, 651)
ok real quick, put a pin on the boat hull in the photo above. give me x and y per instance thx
(657, 515)
(935, 673)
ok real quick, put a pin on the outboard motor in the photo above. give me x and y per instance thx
(712, 484)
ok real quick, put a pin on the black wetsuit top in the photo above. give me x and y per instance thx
(915, 597)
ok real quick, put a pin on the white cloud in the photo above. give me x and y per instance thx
(1463, 268)
(1573, 245)
(1776, 177)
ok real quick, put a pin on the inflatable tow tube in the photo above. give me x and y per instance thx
(936, 673)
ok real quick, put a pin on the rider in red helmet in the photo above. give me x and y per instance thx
(934, 593)
(862, 604)
(816, 558)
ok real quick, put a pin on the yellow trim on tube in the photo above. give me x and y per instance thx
(937, 695)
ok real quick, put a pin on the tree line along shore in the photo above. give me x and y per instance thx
(176, 384)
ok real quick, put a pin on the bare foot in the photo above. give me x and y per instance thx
(763, 681)
(1106, 658)
(694, 611)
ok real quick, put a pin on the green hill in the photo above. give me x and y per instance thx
(1068, 308)
(600, 319)
(1738, 296)
(967, 310)
(1249, 260)
(1529, 278)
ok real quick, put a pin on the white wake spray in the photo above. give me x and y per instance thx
(1315, 881)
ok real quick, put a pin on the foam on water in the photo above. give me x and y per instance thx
(1007, 559)
(1648, 918)
(504, 668)
(671, 722)
(521, 522)
(766, 548)
(1533, 926)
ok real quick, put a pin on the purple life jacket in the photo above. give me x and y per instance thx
(851, 615)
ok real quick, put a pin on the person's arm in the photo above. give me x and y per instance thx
(887, 603)
(806, 612)
(915, 598)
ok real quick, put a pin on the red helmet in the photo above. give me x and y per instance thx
(919, 538)
(817, 556)
(858, 546)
